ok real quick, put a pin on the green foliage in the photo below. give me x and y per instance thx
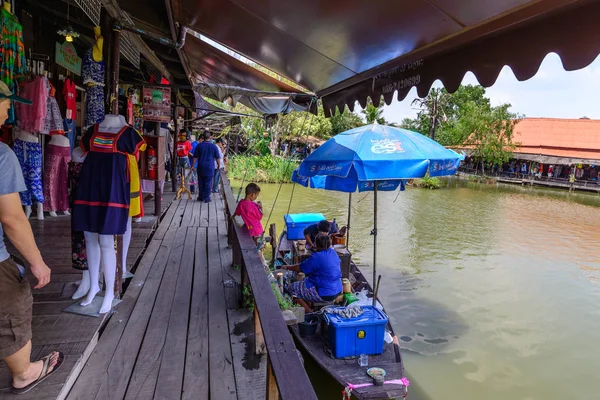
(427, 182)
(303, 124)
(284, 302)
(248, 298)
(467, 118)
(261, 168)
(374, 113)
(344, 121)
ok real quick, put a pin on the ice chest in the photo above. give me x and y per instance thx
(295, 224)
(351, 337)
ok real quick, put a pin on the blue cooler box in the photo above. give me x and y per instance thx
(295, 224)
(351, 337)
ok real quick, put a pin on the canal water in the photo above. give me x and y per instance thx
(494, 291)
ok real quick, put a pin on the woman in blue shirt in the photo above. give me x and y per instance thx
(323, 274)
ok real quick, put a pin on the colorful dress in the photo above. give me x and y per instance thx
(70, 93)
(78, 249)
(56, 178)
(13, 66)
(32, 117)
(103, 197)
(53, 123)
(93, 77)
(29, 155)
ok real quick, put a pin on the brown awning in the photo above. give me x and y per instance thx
(346, 51)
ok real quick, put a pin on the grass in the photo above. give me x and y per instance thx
(266, 169)
(427, 183)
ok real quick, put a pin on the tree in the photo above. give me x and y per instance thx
(344, 121)
(373, 113)
(490, 132)
(433, 110)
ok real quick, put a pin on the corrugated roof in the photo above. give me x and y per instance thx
(576, 138)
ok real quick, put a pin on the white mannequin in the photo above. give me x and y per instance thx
(100, 248)
(31, 138)
(61, 141)
(78, 156)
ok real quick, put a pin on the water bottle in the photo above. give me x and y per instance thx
(363, 360)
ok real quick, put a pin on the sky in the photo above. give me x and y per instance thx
(552, 92)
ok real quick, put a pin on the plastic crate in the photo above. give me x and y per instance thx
(296, 223)
(351, 337)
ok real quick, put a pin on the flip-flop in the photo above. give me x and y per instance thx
(43, 374)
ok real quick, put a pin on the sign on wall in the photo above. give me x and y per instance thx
(157, 104)
(66, 56)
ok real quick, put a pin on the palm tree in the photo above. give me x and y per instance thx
(373, 114)
(432, 107)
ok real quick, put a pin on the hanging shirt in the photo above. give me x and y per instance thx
(323, 271)
(70, 93)
(251, 214)
(183, 148)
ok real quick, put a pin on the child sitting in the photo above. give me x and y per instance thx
(251, 211)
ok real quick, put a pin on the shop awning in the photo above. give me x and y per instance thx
(346, 51)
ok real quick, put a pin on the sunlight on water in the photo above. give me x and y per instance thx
(494, 291)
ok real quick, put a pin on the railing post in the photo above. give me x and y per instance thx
(273, 234)
(259, 339)
(272, 390)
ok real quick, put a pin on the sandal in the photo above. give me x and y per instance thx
(43, 374)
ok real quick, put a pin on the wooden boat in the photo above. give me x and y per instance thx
(348, 371)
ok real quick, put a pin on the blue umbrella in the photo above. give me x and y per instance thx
(375, 157)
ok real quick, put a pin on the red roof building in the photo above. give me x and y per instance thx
(548, 139)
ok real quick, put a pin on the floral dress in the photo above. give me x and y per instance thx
(93, 77)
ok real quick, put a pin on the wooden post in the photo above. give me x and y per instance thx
(259, 339)
(115, 60)
(157, 192)
(174, 161)
(272, 389)
(273, 234)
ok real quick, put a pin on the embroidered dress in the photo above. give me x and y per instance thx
(78, 249)
(93, 77)
(53, 123)
(30, 158)
(56, 178)
(12, 50)
(103, 197)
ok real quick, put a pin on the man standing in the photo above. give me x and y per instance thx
(207, 155)
(16, 300)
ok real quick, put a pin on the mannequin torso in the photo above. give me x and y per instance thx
(112, 123)
(59, 140)
(27, 137)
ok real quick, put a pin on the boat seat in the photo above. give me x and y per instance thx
(337, 300)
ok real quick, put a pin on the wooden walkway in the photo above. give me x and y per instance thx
(178, 333)
(74, 335)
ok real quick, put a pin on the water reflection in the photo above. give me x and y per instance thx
(492, 289)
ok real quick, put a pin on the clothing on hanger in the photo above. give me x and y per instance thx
(70, 94)
(53, 123)
(29, 155)
(92, 73)
(78, 249)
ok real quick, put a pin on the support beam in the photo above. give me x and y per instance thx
(113, 9)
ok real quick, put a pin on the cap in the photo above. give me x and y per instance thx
(5, 93)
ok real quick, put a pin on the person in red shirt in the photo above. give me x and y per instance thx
(184, 146)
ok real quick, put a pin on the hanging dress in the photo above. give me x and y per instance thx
(56, 178)
(92, 73)
(103, 196)
(70, 94)
(29, 155)
(78, 249)
(53, 123)
(13, 67)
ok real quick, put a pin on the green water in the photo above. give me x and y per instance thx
(493, 290)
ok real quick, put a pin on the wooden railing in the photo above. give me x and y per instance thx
(286, 376)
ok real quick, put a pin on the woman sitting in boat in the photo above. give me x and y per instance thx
(323, 282)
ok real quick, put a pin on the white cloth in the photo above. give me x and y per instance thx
(221, 163)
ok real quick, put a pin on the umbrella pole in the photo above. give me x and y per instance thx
(348, 224)
(374, 233)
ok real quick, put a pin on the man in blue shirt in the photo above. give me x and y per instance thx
(207, 154)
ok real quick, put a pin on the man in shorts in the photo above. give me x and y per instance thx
(15, 292)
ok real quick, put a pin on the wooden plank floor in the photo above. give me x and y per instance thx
(53, 329)
(175, 322)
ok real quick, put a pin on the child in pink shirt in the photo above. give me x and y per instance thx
(251, 211)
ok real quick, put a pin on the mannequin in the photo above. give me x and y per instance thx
(29, 152)
(101, 206)
(56, 166)
(78, 247)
